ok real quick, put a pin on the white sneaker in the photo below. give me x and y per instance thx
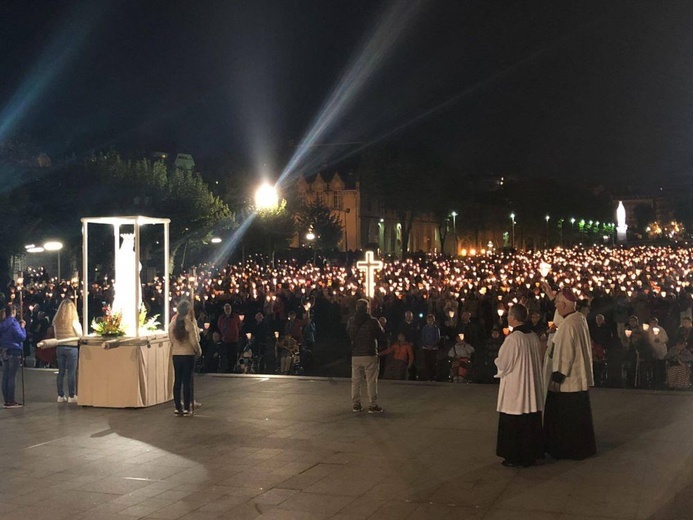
(62, 399)
(72, 399)
(198, 404)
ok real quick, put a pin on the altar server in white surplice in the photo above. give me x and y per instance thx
(521, 394)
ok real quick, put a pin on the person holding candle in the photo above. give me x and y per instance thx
(520, 395)
(568, 426)
(658, 339)
(460, 355)
(284, 351)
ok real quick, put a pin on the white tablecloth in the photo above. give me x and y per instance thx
(127, 376)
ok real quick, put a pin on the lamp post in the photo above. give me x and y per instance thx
(546, 243)
(266, 197)
(51, 245)
(572, 230)
(454, 231)
(512, 219)
(266, 200)
(310, 236)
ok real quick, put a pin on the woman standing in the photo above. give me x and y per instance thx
(12, 336)
(66, 325)
(185, 345)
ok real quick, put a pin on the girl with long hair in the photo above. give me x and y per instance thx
(66, 325)
(185, 346)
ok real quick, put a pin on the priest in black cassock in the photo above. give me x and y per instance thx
(568, 427)
(520, 395)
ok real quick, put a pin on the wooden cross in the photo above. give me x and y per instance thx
(369, 266)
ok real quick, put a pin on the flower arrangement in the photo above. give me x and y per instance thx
(150, 324)
(110, 324)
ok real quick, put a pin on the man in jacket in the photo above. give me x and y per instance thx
(229, 325)
(366, 336)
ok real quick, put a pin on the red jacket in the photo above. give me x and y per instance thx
(229, 328)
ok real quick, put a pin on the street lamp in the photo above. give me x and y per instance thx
(266, 197)
(310, 236)
(547, 217)
(216, 240)
(454, 230)
(512, 219)
(51, 245)
(267, 200)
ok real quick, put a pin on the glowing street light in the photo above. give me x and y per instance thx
(216, 240)
(52, 246)
(266, 197)
(266, 200)
(310, 236)
(512, 219)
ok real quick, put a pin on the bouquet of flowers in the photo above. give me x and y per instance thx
(110, 324)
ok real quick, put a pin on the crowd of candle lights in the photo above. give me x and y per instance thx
(431, 283)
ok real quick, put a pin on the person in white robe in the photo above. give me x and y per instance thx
(568, 426)
(520, 395)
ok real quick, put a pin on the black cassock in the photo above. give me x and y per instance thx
(568, 427)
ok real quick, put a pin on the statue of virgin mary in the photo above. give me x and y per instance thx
(126, 280)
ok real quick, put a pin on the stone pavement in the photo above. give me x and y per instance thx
(290, 448)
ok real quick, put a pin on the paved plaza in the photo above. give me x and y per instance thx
(291, 448)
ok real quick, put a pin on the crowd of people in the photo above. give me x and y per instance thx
(443, 318)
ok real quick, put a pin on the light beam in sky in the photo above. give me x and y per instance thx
(363, 67)
(54, 60)
(232, 243)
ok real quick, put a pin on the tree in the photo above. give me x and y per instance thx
(326, 226)
(105, 184)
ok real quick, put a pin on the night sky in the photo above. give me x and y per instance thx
(601, 90)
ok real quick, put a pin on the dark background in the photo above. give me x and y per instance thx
(593, 90)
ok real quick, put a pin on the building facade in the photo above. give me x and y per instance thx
(366, 223)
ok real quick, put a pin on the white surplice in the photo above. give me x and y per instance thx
(519, 369)
(571, 355)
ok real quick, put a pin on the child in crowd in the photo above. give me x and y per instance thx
(460, 356)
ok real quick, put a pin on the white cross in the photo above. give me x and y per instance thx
(369, 266)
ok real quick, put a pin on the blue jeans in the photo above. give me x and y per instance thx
(67, 360)
(10, 365)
